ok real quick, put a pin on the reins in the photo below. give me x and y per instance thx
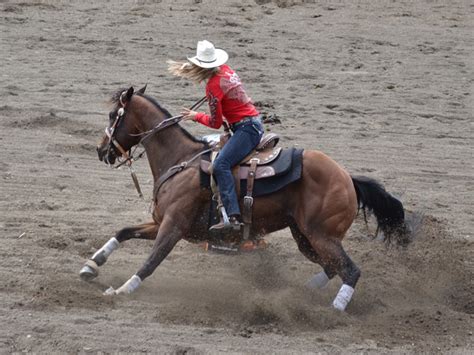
(130, 158)
(162, 125)
(168, 122)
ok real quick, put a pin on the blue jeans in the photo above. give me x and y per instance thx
(246, 137)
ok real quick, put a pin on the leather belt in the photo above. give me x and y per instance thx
(234, 126)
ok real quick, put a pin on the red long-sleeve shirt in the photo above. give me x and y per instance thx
(227, 99)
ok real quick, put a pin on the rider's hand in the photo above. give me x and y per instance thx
(189, 114)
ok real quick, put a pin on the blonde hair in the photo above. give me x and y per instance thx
(191, 71)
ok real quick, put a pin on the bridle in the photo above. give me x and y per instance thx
(110, 131)
(130, 158)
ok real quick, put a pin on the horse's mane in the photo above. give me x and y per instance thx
(116, 97)
(156, 104)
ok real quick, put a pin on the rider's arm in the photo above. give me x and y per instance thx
(214, 97)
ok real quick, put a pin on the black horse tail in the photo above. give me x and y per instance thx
(388, 210)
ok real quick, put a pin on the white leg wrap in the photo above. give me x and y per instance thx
(108, 247)
(129, 286)
(318, 281)
(343, 297)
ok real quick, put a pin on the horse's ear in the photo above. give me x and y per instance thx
(129, 94)
(142, 90)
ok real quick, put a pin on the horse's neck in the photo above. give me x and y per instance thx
(169, 147)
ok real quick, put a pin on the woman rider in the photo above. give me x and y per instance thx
(227, 100)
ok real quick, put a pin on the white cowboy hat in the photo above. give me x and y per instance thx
(207, 56)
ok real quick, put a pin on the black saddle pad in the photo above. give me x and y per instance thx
(287, 167)
(287, 170)
(282, 164)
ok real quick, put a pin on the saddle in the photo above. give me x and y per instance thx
(264, 154)
(266, 161)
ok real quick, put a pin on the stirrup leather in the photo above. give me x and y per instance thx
(248, 199)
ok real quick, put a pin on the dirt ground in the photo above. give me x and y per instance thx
(383, 87)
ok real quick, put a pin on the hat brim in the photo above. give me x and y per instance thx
(221, 58)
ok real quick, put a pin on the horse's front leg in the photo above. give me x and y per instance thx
(168, 235)
(90, 270)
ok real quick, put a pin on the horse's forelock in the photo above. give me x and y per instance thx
(116, 95)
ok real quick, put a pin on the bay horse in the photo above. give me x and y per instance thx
(318, 208)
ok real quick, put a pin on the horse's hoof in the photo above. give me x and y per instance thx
(90, 271)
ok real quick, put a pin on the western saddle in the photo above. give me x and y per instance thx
(257, 165)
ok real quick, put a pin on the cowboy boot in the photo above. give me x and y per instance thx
(232, 225)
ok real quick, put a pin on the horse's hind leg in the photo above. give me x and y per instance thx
(321, 279)
(332, 254)
(143, 231)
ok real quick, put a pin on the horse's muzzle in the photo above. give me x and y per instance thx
(106, 155)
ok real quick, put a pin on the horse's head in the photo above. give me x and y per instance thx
(121, 134)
